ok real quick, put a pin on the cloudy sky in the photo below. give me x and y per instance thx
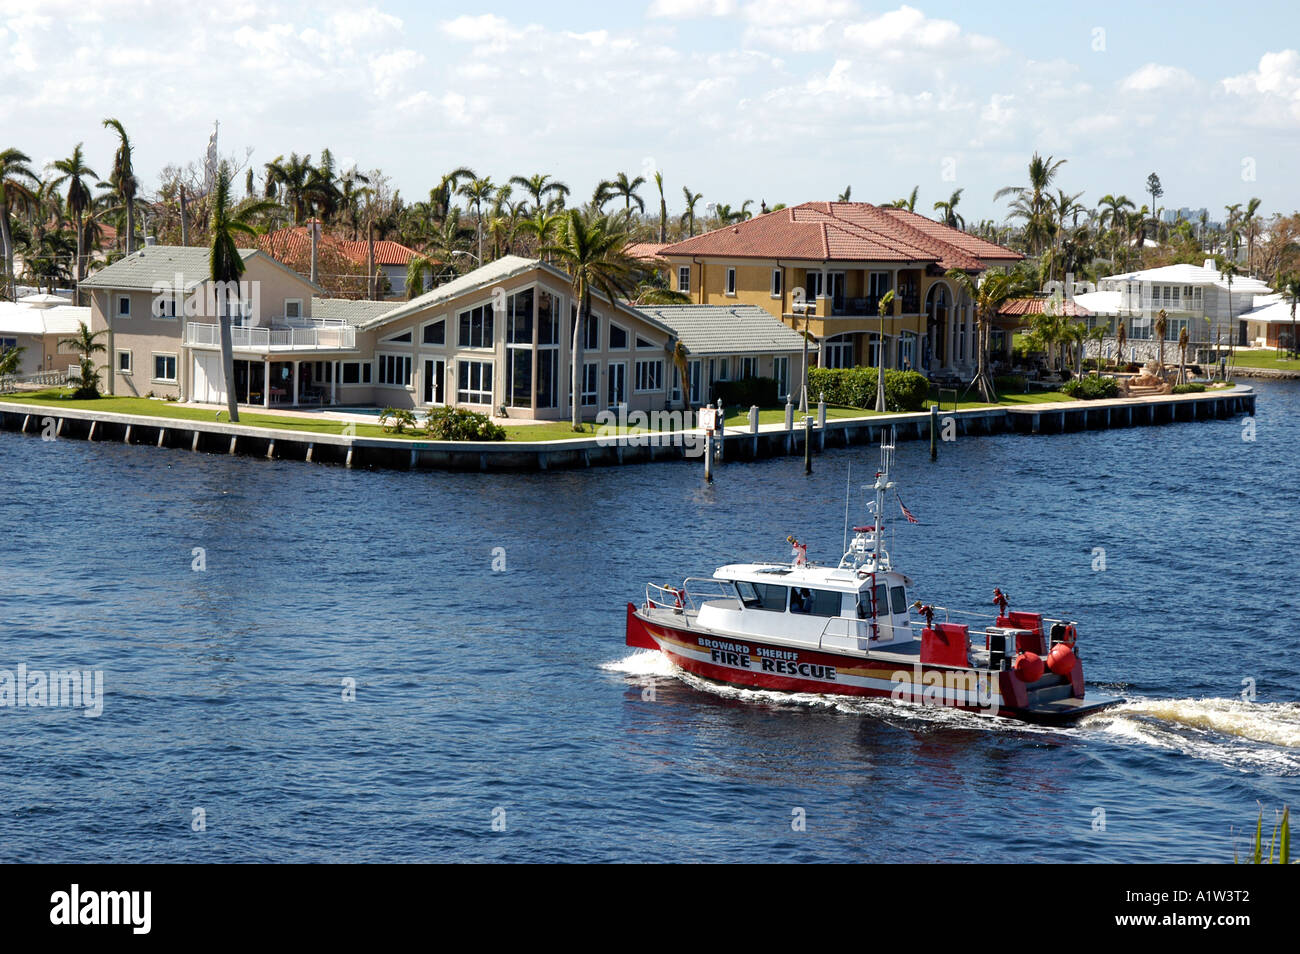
(738, 100)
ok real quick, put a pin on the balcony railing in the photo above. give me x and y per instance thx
(319, 334)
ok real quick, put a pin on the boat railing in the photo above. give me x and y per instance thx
(850, 627)
(690, 596)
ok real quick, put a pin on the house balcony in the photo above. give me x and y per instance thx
(855, 308)
(306, 334)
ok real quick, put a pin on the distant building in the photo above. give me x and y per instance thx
(37, 323)
(292, 246)
(1194, 297)
(825, 266)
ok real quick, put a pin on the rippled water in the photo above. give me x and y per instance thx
(509, 696)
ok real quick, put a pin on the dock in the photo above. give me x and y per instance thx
(742, 442)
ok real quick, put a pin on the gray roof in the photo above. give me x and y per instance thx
(727, 329)
(353, 311)
(158, 265)
(508, 266)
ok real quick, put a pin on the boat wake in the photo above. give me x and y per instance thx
(1252, 736)
(1247, 735)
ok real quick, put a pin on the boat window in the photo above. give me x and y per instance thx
(815, 602)
(770, 596)
(746, 593)
(899, 597)
(882, 599)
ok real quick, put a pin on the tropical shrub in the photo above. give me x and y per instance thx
(747, 392)
(397, 420)
(458, 424)
(1192, 387)
(856, 387)
(1090, 388)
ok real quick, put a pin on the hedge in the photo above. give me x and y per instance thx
(747, 392)
(856, 387)
(458, 424)
(1089, 388)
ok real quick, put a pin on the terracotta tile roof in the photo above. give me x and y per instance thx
(645, 251)
(845, 231)
(294, 244)
(1016, 307)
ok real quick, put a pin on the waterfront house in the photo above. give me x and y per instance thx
(37, 323)
(1269, 322)
(496, 340)
(1194, 297)
(824, 266)
(159, 309)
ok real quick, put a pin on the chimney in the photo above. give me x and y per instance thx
(151, 240)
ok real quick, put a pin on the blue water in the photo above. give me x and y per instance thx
(509, 696)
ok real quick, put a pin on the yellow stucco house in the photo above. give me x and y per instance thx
(824, 266)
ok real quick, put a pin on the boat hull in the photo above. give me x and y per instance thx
(755, 664)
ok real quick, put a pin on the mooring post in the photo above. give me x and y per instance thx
(789, 425)
(821, 420)
(708, 455)
(753, 429)
(934, 428)
(162, 435)
(234, 439)
(194, 444)
(807, 444)
(270, 450)
(722, 433)
(127, 438)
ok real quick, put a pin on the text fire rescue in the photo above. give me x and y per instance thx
(779, 661)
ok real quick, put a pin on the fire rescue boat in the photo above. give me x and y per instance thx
(849, 630)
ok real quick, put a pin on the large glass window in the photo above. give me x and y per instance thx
(476, 327)
(617, 338)
(898, 597)
(649, 375)
(474, 382)
(591, 335)
(436, 333)
(395, 369)
(590, 383)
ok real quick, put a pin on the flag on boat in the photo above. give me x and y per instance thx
(906, 513)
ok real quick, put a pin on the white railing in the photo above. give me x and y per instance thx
(328, 334)
(40, 379)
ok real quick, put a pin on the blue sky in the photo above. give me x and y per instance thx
(738, 99)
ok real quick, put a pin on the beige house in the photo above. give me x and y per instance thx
(497, 340)
(160, 310)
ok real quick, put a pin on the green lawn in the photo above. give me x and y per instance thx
(1266, 359)
(58, 398)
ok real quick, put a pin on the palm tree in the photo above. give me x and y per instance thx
(1229, 269)
(16, 182)
(627, 188)
(74, 171)
(302, 185)
(11, 359)
(663, 208)
(538, 186)
(949, 209)
(86, 343)
(478, 191)
(123, 180)
(354, 188)
(1160, 326)
(1252, 227)
(448, 186)
(1030, 202)
(1290, 288)
(592, 252)
(226, 267)
(844, 196)
(1183, 340)
(886, 305)
(908, 203)
(1121, 339)
(988, 296)
(688, 217)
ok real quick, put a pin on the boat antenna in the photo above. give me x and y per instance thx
(848, 491)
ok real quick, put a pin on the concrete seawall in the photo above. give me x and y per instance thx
(738, 443)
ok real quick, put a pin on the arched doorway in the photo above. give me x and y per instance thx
(938, 310)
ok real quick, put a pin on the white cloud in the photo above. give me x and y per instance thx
(690, 9)
(1155, 77)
